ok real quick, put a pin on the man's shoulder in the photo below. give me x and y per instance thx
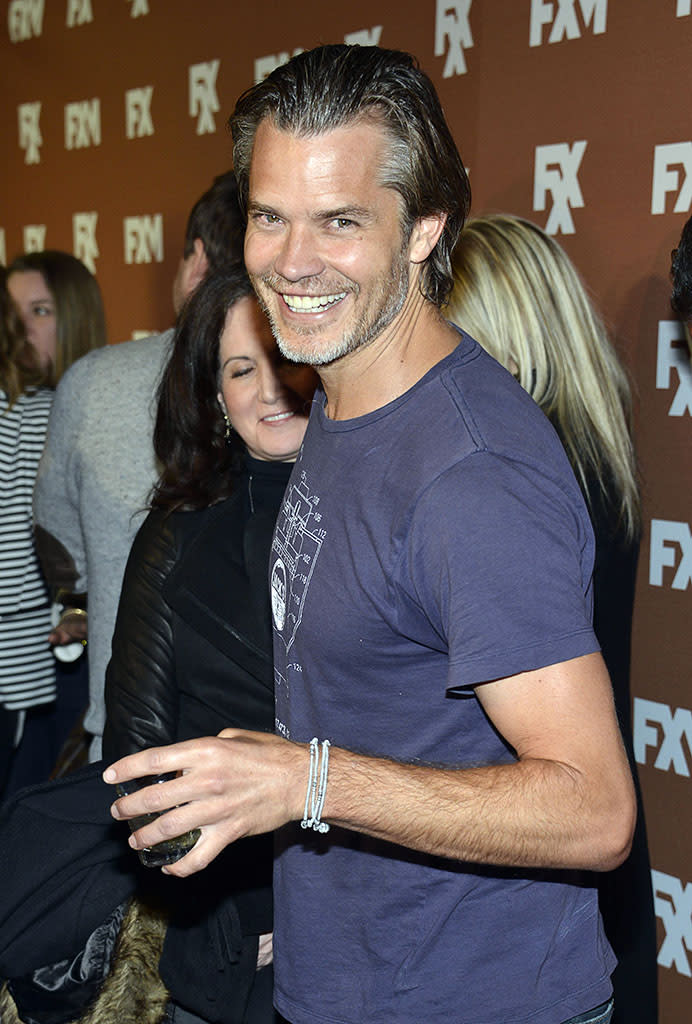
(125, 360)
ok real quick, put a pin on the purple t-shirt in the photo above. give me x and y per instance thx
(436, 543)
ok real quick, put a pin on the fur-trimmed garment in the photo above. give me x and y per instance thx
(132, 992)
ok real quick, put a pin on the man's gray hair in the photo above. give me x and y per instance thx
(336, 85)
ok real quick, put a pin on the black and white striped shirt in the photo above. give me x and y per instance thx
(27, 667)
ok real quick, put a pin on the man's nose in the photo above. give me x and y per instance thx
(298, 257)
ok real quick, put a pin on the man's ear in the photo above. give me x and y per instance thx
(198, 264)
(425, 236)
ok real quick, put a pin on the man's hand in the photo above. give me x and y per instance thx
(233, 785)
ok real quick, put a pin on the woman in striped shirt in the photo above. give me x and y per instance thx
(50, 290)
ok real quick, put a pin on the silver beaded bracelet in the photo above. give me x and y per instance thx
(317, 786)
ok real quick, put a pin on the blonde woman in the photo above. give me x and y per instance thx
(517, 293)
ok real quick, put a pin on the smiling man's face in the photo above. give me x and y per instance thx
(324, 245)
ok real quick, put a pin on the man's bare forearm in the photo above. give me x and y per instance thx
(532, 813)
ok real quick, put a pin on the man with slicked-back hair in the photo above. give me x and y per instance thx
(447, 766)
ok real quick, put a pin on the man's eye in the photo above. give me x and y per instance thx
(343, 222)
(268, 218)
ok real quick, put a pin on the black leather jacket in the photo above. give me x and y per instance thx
(191, 655)
(192, 643)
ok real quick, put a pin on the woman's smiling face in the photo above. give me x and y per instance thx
(267, 398)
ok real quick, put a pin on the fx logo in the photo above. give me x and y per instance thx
(669, 161)
(139, 8)
(34, 237)
(672, 353)
(565, 25)
(684, 9)
(555, 171)
(673, 905)
(84, 239)
(138, 120)
(144, 239)
(203, 102)
(265, 65)
(24, 19)
(656, 726)
(363, 37)
(452, 34)
(30, 139)
(666, 535)
(79, 12)
(83, 124)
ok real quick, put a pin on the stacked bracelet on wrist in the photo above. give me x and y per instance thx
(317, 786)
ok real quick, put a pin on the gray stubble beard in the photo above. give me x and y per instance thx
(393, 291)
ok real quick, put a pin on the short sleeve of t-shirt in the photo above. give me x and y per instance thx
(499, 558)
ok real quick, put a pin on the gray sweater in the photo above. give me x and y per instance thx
(94, 479)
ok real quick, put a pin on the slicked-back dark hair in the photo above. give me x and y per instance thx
(217, 220)
(198, 465)
(681, 273)
(337, 85)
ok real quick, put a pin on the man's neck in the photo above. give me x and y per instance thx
(371, 377)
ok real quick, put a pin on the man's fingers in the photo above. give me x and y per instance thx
(154, 761)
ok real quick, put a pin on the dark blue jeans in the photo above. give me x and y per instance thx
(599, 1015)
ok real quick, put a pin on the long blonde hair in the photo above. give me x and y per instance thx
(517, 293)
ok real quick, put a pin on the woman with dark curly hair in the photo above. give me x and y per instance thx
(191, 655)
(192, 644)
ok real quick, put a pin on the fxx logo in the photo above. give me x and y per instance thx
(3, 248)
(684, 9)
(670, 162)
(139, 8)
(657, 727)
(84, 243)
(138, 122)
(673, 905)
(203, 101)
(34, 237)
(672, 354)
(671, 548)
(24, 19)
(364, 37)
(28, 115)
(79, 12)
(144, 239)
(564, 20)
(83, 124)
(265, 65)
(556, 172)
(452, 35)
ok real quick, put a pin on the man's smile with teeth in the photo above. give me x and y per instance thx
(311, 303)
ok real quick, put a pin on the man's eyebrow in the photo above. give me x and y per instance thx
(255, 207)
(347, 212)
